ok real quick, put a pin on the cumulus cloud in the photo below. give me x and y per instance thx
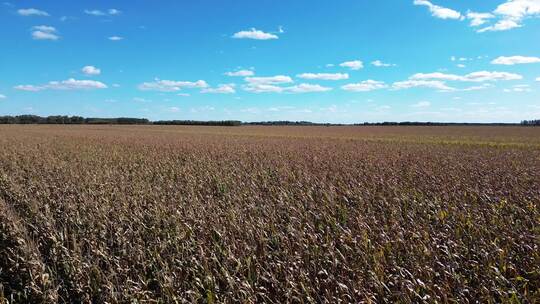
(113, 11)
(28, 88)
(324, 76)
(518, 9)
(439, 11)
(271, 85)
(433, 84)
(91, 70)
(2, 96)
(379, 63)
(240, 73)
(44, 32)
(480, 76)
(365, 86)
(353, 65)
(512, 13)
(478, 19)
(171, 85)
(116, 38)
(515, 60)
(278, 79)
(501, 25)
(266, 84)
(95, 12)
(109, 12)
(538, 79)
(31, 12)
(263, 88)
(221, 89)
(254, 34)
(70, 84)
(476, 88)
(307, 88)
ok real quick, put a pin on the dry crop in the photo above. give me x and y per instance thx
(269, 214)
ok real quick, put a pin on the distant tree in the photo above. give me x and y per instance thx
(535, 122)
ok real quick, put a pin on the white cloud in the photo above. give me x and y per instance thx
(434, 84)
(519, 88)
(31, 12)
(113, 11)
(254, 34)
(70, 84)
(39, 35)
(263, 88)
(258, 87)
(91, 70)
(44, 32)
(116, 38)
(278, 79)
(461, 65)
(44, 28)
(324, 76)
(501, 25)
(422, 104)
(95, 12)
(2, 96)
(491, 76)
(353, 65)
(478, 19)
(365, 86)
(73, 84)
(439, 11)
(436, 75)
(171, 85)
(515, 60)
(221, 89)
(109, 12)
(512, 13)
(476, 88)
(240, 73)
(538, 79)
(379, 63)
(307, 88)
(480, 76)
(28, 88)
(518, 9)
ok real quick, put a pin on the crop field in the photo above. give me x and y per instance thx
(178, 214)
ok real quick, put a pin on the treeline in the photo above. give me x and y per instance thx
(198, 122)
(70, 120)
(419, 123)
(387, 123)
(78, 120)
(289, 123)
(535, 122)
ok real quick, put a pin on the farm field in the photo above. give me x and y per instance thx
(252, 214)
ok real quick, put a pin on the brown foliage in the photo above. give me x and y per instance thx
(269, 214)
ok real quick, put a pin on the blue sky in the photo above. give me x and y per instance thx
(323, 61)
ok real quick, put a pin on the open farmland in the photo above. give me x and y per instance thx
(269, 214)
